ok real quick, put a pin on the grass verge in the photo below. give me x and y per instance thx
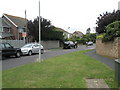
(65, 71)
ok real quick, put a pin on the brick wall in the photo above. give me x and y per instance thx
(109, 49)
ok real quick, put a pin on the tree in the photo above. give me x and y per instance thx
(47, 30)
(74, 38)
(105, 19)
(33, 27)
(88, 37)
(88, 31)
(112, 31)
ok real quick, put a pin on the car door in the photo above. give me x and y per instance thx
(2, 48)
(9, 50)
(36, 48)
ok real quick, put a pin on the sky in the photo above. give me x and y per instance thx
(70, 15)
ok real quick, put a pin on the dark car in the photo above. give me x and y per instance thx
(68, 45)
(7, 50)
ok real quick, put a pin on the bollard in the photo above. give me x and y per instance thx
(117, 72)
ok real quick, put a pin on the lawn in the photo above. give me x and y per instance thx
(65, 71)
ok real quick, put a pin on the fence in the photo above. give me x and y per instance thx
(46, 44)
(15, 43)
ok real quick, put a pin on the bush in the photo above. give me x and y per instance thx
(52, 35)
(105, 19)
(83, 41)
(74, 38)
(112, 31)
(100, 36)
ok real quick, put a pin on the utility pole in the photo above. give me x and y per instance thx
(119, 5)
(39, 59)
(25, 39)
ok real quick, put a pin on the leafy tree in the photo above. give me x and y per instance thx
(112, 31)
(88, 37)
(88, 31)
(105, 19)
(47, 30)
(74, 38)
(33, 27)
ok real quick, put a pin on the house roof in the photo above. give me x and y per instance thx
(17, 21)
(60, 29)
(78, 32)
(5, 24)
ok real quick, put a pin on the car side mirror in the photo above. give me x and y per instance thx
(12, 47)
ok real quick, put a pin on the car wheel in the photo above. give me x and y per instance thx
(17, 54)
(30, 53)
(74, 46)
(70, 47)
(42, 51)
(3, 57)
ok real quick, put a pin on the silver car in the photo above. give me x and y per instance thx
(31, 48)
(89, 43)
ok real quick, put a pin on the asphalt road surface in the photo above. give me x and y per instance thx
(15, 62)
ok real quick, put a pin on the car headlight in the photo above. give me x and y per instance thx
(25, 50)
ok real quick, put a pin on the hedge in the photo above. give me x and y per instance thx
(112, 31)
(52, 35)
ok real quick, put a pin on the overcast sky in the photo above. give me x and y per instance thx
(76, 14)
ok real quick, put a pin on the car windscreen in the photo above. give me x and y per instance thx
(71, 42)
(27, 46)
(66, 42)
(2, 45)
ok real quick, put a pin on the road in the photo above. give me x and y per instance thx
(15, 62)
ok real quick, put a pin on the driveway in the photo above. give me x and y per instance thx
(14, 62)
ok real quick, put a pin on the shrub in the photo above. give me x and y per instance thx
(112, 31)
(100, 36)
(105, 19)
(52, 35)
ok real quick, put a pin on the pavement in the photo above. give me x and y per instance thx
(99, 83)
(109, 62)
(96, 83)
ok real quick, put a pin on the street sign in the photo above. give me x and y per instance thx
(24, 34)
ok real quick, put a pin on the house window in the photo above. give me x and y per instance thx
(6, 29)
(21, 30)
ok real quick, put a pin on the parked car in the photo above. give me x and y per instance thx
(7, 50)
(68, 44)
(31, 48)
(89, 43)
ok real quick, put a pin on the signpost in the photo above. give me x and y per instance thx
(24, 34)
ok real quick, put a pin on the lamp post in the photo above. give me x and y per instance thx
(39, 59)
(119, 5)
(26, 37)
(69, 34)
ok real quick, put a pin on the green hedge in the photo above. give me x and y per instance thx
(52, 35)
(112, 31)
(100, 36)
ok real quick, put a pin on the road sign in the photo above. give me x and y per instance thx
(24, 34)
